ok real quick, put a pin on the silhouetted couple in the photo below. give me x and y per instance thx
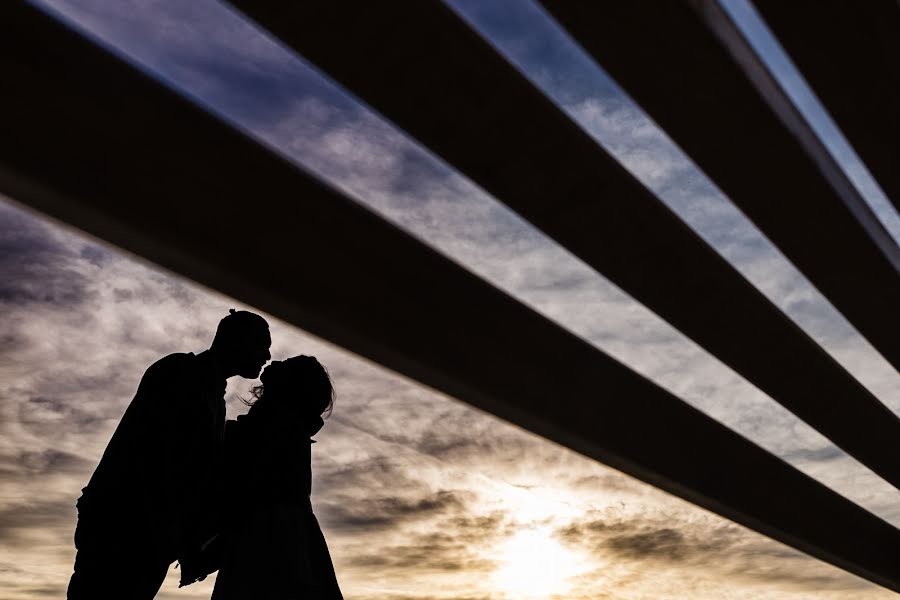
(176, 484)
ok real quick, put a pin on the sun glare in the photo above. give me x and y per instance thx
(534, 566)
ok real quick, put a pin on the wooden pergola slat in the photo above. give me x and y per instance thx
(94, 142)
(849, 53)
(418, 64)
(688, 66)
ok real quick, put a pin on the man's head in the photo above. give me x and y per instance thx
(242, 343)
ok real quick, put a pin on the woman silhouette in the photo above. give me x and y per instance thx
(276, 549)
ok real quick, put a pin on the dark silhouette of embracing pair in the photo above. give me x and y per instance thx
(174, 466)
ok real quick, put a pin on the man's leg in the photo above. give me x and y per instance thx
(106, 568)
(104, 575)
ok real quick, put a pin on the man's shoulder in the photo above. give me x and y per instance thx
(180, 363)
(175, 360)
(179, 375)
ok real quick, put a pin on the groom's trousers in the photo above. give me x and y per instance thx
(109, 565)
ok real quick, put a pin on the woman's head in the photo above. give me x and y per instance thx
(297, 386)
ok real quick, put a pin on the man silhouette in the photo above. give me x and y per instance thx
(153, 497)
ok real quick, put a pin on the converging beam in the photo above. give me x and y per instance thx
(92, 141)
(449, 89)
(688, 66)
(849, 53)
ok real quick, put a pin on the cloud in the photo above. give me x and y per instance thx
(425, 557)
(355, 513)
(46, 461)
(37, 267)
(22, 522)
(663, 541)
(204, 47)
(644, 539)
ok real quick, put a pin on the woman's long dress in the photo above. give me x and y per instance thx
(274, 547)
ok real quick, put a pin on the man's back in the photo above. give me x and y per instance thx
(162, 457)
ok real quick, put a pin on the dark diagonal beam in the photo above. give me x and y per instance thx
(94, 142)
(419, 65)
(689, 67)
(849, 53)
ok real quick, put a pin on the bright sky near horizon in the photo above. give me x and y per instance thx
(420, 496)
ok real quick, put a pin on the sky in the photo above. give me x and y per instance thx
(420, 496)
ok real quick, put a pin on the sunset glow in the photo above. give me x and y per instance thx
(535, 565)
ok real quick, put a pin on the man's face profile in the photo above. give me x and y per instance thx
(255, 354)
